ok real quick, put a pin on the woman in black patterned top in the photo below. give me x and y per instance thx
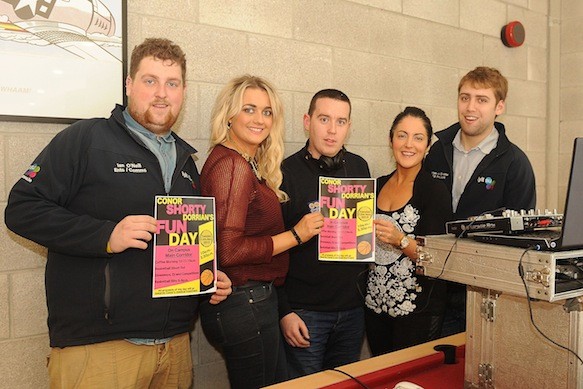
(404, 309)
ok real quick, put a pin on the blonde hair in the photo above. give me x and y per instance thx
(270, 152)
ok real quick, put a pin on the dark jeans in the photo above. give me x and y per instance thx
(385, 333)
(335, 339)
(246, 327)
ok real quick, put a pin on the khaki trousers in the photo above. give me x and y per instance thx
(120, 364)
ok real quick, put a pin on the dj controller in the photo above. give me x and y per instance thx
(508, 222)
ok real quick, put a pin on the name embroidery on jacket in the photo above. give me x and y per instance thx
(439, 175)
(129, 167)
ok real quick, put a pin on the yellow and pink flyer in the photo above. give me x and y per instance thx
(184, 246)
(348, 206)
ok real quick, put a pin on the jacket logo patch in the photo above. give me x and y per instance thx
(129, 167)
(489, 181)
(188, 177)
(31, 172)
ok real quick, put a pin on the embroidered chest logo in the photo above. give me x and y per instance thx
(489, 181)
(188, 177)
(31, 172)
(129, 167)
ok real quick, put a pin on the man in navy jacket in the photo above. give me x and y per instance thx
(88, 197)
(481, 167)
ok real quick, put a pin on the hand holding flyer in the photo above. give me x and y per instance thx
(184, 246)
(348, 206)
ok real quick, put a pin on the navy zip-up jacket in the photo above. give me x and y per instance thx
(504, 178)
(90, 176)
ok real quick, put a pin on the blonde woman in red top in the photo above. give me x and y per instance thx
(243, 173)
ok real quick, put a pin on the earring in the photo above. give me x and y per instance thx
(229, 125)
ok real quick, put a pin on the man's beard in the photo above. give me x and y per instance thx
(153, 123)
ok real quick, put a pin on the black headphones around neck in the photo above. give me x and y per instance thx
(328, 164)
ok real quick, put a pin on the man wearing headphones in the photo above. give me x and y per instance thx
(320, 306)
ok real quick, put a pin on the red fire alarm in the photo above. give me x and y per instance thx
(512, 34)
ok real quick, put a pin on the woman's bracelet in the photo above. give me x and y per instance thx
(295, 234)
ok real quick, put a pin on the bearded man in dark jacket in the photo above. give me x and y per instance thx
(88, 197)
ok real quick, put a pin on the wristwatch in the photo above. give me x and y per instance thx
(404, 243)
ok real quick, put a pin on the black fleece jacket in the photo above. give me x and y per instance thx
(89, 177)
(312, 284)
(504, 178)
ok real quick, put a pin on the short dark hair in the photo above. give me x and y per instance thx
(416, 113)
(330, 94)
(159, 48)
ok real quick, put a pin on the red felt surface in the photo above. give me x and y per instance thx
(428, 372)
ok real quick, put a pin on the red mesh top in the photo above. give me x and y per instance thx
(248, 214)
